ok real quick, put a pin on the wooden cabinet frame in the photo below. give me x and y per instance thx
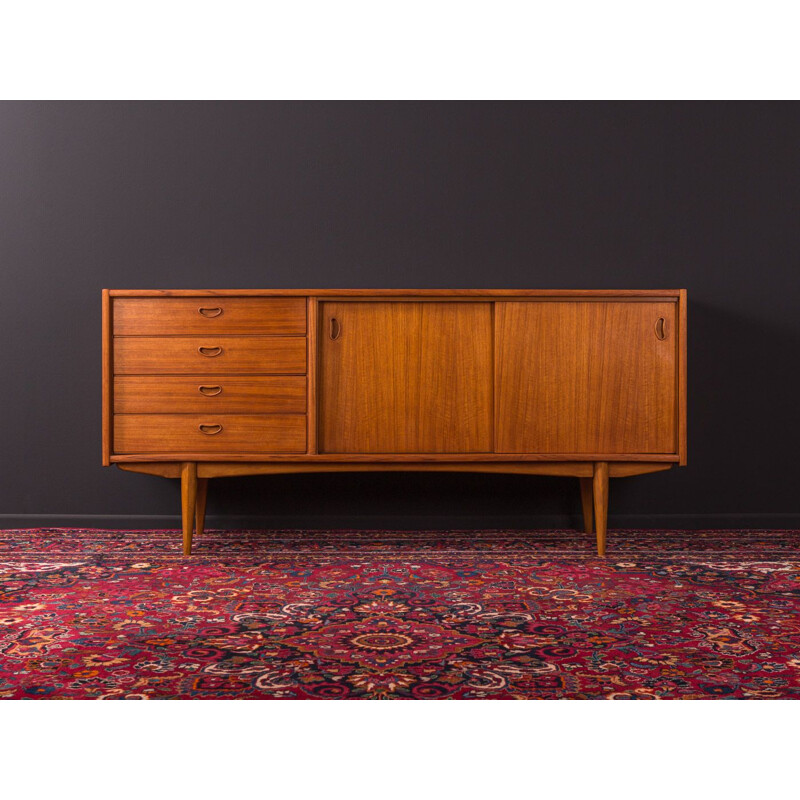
(195, 467)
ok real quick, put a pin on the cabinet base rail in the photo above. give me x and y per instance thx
(593, 477)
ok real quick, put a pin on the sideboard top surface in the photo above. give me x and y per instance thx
(571, 293)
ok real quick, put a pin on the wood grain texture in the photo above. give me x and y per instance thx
(165, 394)
(312, 315)
(180, 433)
(213, 469)
(682, 376)
(577, 469)
(378, 458)
(406, 378)
(625, 469)
(107, 374)
(600, 492)
(588, 378)
(569, 293)
(145, 355)
(161, 469)
(185, 316)
(188, 503)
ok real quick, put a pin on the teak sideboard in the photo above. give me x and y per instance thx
(206, 384)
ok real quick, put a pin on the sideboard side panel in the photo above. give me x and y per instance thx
(682, 375)
(107, 378)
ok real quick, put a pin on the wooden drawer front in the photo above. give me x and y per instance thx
(278, 394)
(237, 433)
(224, 354)
(145, 316)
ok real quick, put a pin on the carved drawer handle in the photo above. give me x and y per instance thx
(336, 328)
(209, 391)
(210, 312)
(209, 430)
(209, 352)
(661, 328)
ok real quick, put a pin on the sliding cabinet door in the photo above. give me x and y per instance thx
(586, 377)
(405, 377)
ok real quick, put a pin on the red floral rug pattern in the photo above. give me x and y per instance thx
(381, 614)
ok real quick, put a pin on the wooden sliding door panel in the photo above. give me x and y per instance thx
(405, 377)
(586, 377)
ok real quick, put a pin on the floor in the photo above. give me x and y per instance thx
(399, 614)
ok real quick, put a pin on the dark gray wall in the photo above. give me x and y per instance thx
(544, 195)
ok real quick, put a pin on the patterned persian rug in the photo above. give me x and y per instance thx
(377, 614)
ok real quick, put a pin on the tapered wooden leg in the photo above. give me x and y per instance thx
(200, 505)
(600, 487)
(188, 502)
(586, 503)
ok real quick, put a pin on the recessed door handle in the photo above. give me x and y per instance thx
(209, 391)
(336, 328)
(661, 328)
(209, 430)
(209, 352)
(210, 312)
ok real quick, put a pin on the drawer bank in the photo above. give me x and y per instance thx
(206, 384)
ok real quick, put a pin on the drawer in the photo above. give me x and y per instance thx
(276, 394)
(209, 355)
(154, 316)
(209, 433)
